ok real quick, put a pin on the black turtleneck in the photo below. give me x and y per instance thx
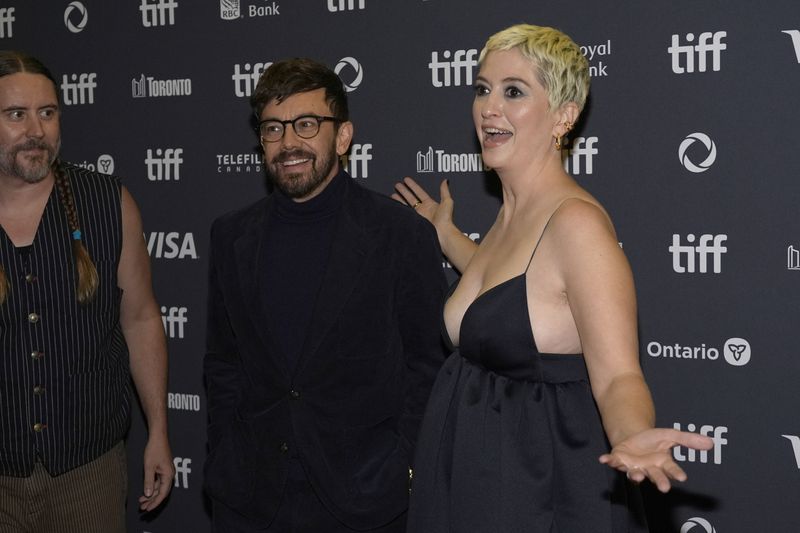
(294, 257)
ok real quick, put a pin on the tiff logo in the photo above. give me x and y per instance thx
(345, 5)
(159, 13)
(792, 258)
(245, 79)
(463, 60)
(795, 440)
(794, 34)
(359, 158)
(715, 433)
(164, 168)
(173, 319)
(701, 251)
(582, 151)
(78, 88)
(707, 43)
(182, 471)
(6, 22)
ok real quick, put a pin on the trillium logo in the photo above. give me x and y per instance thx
(691, 139)
(697, 521)
(82, 13)
(737, 351)
(359, 73)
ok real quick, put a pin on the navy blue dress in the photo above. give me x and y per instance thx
(511, 437)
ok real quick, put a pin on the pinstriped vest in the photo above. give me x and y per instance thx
(64, 378)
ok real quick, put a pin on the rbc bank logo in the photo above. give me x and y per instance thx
(174, 318)
(230, 9)
(580, 157)
(794, 34)
(182, 471)
(6, 22)
(158, 13)
(356, 163)
(356, 78)
(105, 164)
(171, 245)
(706, 141)
(345, 5)
(447, 72)
(75, 17)
(692, 456)
(687, 258)
(600, 50)
(164, 165)
(684, 55)
(690, 524)
(245, 78)
(78, 88)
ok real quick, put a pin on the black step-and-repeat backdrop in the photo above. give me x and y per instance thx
(689, 140)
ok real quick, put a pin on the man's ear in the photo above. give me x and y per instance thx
(343, 137)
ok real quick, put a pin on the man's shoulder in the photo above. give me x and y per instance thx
(382, 208)
(240, 216)
(87, 175)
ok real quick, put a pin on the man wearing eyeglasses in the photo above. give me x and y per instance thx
(323, 330)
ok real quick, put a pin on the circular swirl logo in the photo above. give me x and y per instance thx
(697, 521)
(691, 139)
(82, 13)
(356, 67)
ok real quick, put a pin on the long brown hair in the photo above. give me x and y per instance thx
(13, 62)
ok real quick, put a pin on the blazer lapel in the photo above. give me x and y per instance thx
(247, 251)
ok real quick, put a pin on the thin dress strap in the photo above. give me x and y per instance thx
(545, 229)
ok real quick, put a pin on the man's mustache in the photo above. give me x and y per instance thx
(291, 155)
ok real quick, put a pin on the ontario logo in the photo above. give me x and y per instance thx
(735, 351)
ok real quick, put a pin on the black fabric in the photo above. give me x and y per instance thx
(81, 360)
(350, 411)
(293, 258)
(511, 436)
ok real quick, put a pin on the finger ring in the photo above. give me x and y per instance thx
(416, 205)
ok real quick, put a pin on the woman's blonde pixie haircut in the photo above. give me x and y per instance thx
(560, 66)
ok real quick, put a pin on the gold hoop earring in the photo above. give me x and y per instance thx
(558, 143)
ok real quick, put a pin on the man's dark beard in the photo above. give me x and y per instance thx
(11, 167)
(301, 184)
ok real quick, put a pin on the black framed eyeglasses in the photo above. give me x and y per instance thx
(306, 126)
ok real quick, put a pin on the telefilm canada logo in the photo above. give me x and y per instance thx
(75, 17)
(709, 157)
